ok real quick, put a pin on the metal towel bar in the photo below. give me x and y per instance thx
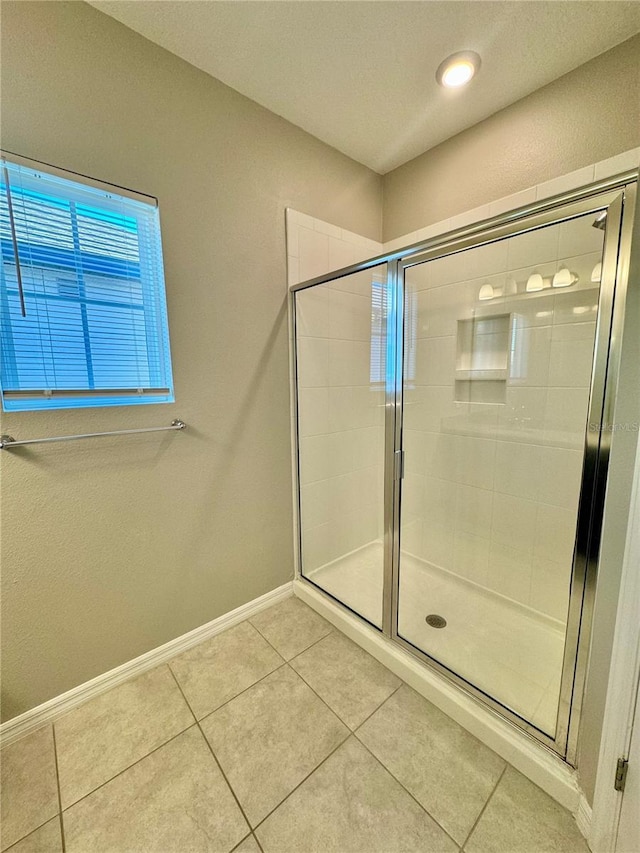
(8, 442)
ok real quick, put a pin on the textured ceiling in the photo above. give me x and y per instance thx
(361, 75)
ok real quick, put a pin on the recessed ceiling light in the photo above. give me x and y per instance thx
(458, 69)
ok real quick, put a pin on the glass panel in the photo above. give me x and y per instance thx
(341, 346)
(497, 365)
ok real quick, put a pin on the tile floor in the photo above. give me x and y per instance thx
(279, 735)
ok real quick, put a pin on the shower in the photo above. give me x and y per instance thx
(449, 491)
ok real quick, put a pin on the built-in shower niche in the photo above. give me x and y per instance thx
(482, 359)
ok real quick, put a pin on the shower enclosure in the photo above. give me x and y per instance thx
(453, 408)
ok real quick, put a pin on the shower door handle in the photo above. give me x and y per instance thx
(398, 459)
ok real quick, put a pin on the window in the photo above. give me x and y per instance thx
(83, 317)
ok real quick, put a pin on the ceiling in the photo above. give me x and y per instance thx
(360, 74)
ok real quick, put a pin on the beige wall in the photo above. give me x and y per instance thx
(114, 546)
(585, 116)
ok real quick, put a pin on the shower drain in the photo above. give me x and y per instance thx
(436, 621)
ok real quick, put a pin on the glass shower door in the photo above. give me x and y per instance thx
(498, 355)
(341, 358)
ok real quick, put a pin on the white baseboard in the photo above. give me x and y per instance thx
(21, 725)
(583, 816)
(536, 762)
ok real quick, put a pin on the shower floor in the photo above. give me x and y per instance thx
(511, 652)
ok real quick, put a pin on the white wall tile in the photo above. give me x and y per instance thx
(313, 253)
(620, 163)
(293, 270)
(312, 312)
(530, 356)
(578, 237)
(349, 316)
(315, 502)
(316, 545)
(435, 361)
(510, 571)
(440, 500)
(313, 410)
(513, 523)
(512, 202)
(315, 457)
(550, 586)
(533, 248)
(473, 510)
(471, 557)
(349, 362)
(570, 362)
(555, 534)
(313, 362)
(341, 253)
(437, 546)
(475, 464)
(565, 183)
(516, 469)
(565, 417)
(559, 477)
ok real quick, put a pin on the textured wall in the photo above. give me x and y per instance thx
(114, 546)
(587, 115)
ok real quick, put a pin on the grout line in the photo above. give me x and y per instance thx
(55, 757)
(407, 791)
(30, 832)
(384, 702)
(224, 704)
(213, 755)
(233, 849)
(302, 781)
(310, 646)
(128, 767)
(224, 776)
(483, 809)
(255, 838)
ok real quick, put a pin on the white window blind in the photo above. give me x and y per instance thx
(83, 317)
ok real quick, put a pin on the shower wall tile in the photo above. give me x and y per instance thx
(549, 588)
(349, 315)
(312, 317)
(565, 183)
(532, 248)
(313, 253)
(471, 553)
(619, 163)
(511, 571)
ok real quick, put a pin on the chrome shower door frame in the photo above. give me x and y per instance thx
(616, 202)
(616, 196)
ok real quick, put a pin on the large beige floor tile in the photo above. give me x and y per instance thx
(29, 787)
(217, 670)
(46, 839)
(174, 800)
(291, 627)
(269, 738)
(445, 768)
(349, 680)
(520, 818)
(109, 733)
(350, 803)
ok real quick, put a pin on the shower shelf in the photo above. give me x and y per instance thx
(482, 375)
